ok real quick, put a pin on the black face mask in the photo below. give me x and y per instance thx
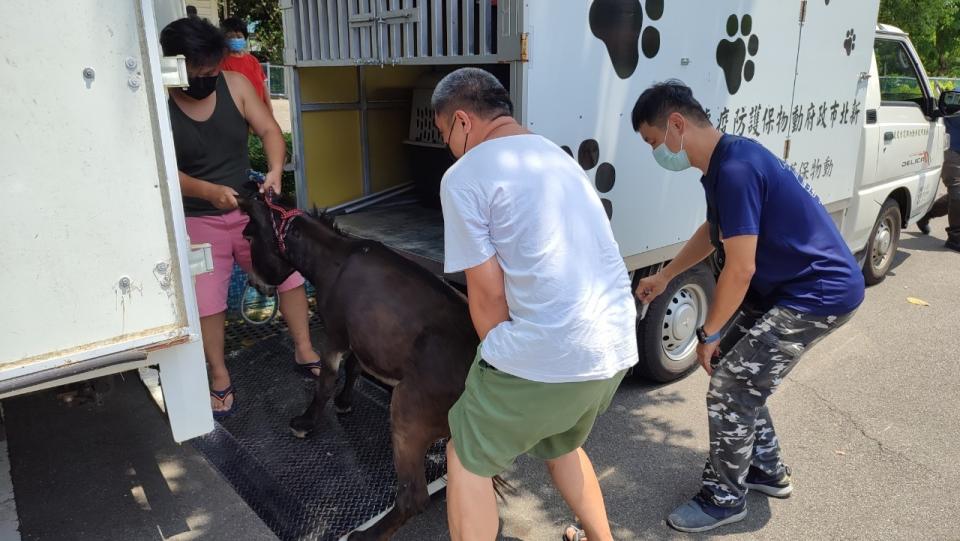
(201, 87)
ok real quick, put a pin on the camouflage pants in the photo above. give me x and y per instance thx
(758, 351)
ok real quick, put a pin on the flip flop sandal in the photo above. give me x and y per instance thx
(578, 535)
(221, 396)
(306, 369)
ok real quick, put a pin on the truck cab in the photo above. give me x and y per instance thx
(902, 147)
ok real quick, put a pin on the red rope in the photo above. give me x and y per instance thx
(286, 218)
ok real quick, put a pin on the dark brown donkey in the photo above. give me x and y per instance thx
(403, 325)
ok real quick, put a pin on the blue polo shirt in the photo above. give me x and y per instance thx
(953, 128)
(802, 261)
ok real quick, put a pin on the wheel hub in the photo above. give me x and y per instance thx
(883, 241)
(686, 311)
(882, 245)
(685, 322)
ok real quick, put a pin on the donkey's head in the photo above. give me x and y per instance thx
(270, 266)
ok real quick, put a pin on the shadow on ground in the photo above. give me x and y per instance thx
(107, 468)
(917, 241)
(646, 466)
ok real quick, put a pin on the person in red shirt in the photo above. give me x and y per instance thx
(239, 60)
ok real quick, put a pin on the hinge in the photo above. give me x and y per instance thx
(173, 71)
(786, 150)
(200, 258)
(803, 11)
(523, 47)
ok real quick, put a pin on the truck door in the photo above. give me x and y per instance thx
(828, 112)
(94, 252)
(908, 137)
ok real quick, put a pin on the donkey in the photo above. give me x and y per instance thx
(400, 323)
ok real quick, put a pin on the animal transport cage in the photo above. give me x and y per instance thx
(392, 32)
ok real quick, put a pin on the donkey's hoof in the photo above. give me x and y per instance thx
(301, 434)
(301, 428)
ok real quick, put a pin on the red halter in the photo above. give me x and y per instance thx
(286, 218)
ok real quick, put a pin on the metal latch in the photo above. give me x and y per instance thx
(173, 69)
(401, 16)
(201, 258)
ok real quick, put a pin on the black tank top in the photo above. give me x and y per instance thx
(214, 150)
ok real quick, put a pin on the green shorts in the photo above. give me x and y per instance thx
(500, 417)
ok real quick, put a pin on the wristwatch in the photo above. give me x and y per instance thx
(705, 338)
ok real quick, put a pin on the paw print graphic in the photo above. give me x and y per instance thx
(619, 25)
(850, 43)
(588, 156)
(732, 54)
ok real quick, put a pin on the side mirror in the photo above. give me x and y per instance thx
(949, 103)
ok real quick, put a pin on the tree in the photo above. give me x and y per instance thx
(934, 28)
(265, 16)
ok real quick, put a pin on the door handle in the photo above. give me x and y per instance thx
(888, 137)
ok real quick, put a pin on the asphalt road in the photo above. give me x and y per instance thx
(869, 422)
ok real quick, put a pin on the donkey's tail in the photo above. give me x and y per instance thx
(502, 488)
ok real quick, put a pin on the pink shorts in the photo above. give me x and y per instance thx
(225, 235)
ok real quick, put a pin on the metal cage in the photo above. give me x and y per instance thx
(381, 32)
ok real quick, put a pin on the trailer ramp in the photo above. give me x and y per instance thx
(321, 488)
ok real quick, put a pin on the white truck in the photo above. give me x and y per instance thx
(95, 267)
(95, 273)
(844, 101)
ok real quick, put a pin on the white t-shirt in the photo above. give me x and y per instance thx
(572, 314)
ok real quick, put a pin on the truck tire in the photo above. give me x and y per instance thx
(667, 338)
(883, 242)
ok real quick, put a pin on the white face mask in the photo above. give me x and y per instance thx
(671, 161)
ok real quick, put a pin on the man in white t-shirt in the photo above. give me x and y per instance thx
(550, 299)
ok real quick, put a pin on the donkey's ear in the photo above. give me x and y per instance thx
(249, 189)
(245, 204)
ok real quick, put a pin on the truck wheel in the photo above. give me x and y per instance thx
(667, 337)
(882, 246)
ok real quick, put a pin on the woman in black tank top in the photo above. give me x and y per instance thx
(211, 120)
(214, 150)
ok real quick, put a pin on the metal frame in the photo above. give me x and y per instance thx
(364, 131)
(397, 32)
(296, 125)
(399, 18)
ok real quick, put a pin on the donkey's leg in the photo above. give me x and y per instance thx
(415, 426)
(344, 399)
(304, 424)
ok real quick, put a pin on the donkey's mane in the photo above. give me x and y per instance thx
(326, 217)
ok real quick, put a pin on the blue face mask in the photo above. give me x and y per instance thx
(671, 161)
(236, 44)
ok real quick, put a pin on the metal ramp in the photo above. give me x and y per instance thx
(320, 488)
(411, 230)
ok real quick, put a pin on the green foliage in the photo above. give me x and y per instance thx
(934, 28)
(258, 161)
(265, 14)
(947, 85)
